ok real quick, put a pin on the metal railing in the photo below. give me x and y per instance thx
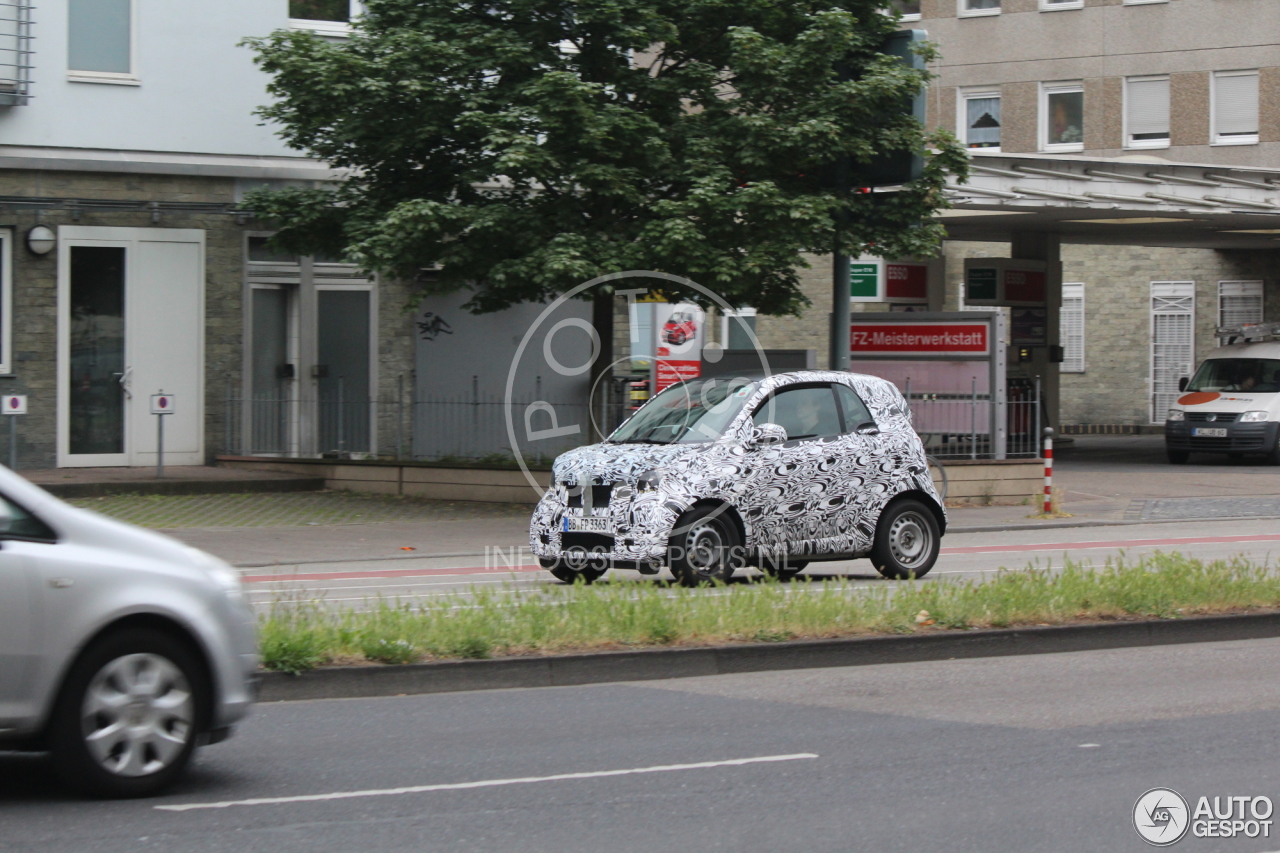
(15, 53)
(960, 426)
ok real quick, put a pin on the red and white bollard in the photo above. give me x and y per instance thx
(1048, 471)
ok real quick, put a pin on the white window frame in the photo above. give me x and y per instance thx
(1249, 139)
(334, 29)
(963, 10)
(1060, 5)
(112, 78)
(962, 117)
(1241, 289)
(1142, 2)
(1059, 88)
(1072, 290)
(909, 16)
(6, 301)
(727, 316)
(1145, 143)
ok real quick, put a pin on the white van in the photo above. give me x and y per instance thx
(1232, 403)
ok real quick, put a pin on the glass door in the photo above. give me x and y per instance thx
(99, 376)
(342, 370)
(271, 401)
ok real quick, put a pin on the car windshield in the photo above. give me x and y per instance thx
(697, 410)
(1237, 374)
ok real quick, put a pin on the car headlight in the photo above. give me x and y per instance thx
(649, 481)
(222, 573)
(1253, 417)
(1176, 415)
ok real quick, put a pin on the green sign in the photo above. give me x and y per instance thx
(864, 280)
(981, 284)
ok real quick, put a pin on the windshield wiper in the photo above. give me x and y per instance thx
(640, 441)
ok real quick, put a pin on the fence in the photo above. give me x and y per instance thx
(959, 426)
(952, 426)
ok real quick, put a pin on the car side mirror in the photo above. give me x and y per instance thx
(767, 435)
(1183, 382)
(868, 429)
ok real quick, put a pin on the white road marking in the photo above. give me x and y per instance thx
(487, 783)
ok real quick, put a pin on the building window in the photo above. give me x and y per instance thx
(100, 40)
(1146, 112)
(1055, 5)
(1062, 117)
(6, 301)
(1071, 327)
(1234, 105)
(908, 9)
(739, 329)
(973, 8)
(325, 17)
(1239, 303)
(980, 120)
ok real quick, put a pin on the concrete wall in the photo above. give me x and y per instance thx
(1099, 45)
(196, 88)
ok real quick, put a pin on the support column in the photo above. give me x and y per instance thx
(1038, 246)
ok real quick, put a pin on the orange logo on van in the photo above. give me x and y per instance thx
(1195, 398)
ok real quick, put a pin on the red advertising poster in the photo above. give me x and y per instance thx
(1024, 286)
(671, 372)
(906, 338)
(906, 281)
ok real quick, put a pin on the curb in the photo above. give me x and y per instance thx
(182, 487)
(579, 669)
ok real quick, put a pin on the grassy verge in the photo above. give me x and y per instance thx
(300, 636)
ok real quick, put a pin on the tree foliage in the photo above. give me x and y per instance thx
(525, 146)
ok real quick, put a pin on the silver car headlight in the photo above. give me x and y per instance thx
(1176, 415)
(223, 574)
(1253, 417)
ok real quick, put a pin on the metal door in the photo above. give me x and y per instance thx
(1172, 342)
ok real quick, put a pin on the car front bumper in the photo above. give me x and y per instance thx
(1240, 438)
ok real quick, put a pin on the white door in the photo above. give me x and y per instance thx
(130, 324)
(1173, 305)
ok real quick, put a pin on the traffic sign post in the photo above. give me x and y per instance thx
(14, 404)
(161, 405)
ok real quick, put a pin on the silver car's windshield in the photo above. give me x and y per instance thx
(1237, 374)
(697, 410)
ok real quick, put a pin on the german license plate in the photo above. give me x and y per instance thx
(1210, 432)
(589, 524)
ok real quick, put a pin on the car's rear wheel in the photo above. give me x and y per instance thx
(907, 540)
(704, 548)
(1178, 457)
(126, 722)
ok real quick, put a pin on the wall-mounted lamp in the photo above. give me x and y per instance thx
(41, 240)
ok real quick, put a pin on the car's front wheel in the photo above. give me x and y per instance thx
(575, 567)
(1178, 457)
(907, 540)
(126, 722)
(704, 548)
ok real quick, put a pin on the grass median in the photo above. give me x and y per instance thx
(301, 635)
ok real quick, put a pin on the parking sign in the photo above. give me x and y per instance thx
(162, 404)
(15, 404)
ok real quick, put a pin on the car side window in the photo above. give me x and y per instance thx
(17, 523)
(805, 413)
(855, 411)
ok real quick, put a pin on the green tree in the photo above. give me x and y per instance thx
(525, 146)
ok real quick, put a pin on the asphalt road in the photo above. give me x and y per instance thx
(361, 583)
(1037, 753)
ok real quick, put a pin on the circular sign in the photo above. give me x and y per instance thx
(1161, 816)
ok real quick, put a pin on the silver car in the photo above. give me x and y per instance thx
(775, 471)
(121, 650)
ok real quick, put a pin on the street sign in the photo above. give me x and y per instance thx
(15, 404)
(864, 281)
(161, 404)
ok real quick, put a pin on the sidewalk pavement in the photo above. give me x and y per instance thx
(1105, 480)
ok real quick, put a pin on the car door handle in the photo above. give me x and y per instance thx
(61, 583)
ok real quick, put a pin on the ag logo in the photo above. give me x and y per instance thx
(1161, 816)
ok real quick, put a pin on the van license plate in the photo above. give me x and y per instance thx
(587, 525)
(1210, 432)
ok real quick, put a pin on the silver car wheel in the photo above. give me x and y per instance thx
(910, 539)
(138, 715)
